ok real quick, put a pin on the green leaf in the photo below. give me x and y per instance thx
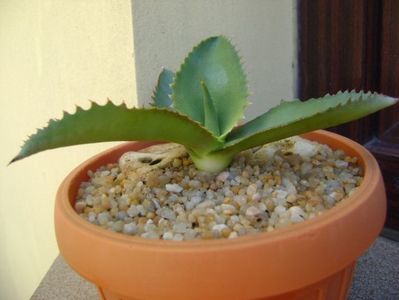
(296, 117)
(216, 62)
(112, 122)
(163, 90)
(211, 119)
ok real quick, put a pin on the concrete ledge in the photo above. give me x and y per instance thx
(376, 277)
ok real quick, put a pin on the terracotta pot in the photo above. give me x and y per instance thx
(311, 260)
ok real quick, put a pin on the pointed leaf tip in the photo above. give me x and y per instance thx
(215, 61)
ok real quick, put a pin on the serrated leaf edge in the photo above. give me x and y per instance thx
(234, 142)
(109, 102)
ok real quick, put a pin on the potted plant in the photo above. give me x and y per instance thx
(199, 107)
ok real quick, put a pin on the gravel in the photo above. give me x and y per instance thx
(265, 188)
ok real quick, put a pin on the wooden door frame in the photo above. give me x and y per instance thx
(354, 44)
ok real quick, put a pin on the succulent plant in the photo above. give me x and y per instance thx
(200, 107)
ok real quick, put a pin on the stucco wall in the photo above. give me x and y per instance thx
(262, 30)
(53, 54)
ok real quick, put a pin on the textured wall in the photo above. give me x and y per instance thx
(53, 54)
(262, 30)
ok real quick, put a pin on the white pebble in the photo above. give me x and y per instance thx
(194, 201)
(296, 214)
(262, 206)
(173, 188)
(113, 203)
(150, 227)
(341, 164)
(252, 211)
(92, 217)
(281, 194)
(228, 209)
(121, 215)
(251, 189)
(296, 218)
(304, 148)
(180, 228)
(289, 186)
(329, 199)
(178, 237)
(133, 211)
(234, 219)
(130, 228)
(141, 210)
(336, 196)
(206, 204)
(256, 197)
(296, 210)
(223, 176)
(168, 236)
(105, 173)
(150, 235)
(241, 200)
(190, 234)
(280, 210)
(195, 184)
(219, 227)
(166, 213)
(233, 235)
(156, 203)
(103, 218)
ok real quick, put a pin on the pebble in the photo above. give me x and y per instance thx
(228, 209)
(252, 212)
(168, 236)
(290, 187)
(341, 163)
(264, 189)
(103, 218)
(305, 148)
(130, 228)
(166, 213)
(133, 211)
(178, 237)
(296, 214)
(223, 176)
(219, 227)
(233, 235)
(150, 235)
(174, 188)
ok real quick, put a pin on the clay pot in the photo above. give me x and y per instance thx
(311, 260)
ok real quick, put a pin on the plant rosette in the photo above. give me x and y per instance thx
(199, 107)
(308, 260)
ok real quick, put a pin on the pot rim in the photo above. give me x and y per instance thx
(345, 207)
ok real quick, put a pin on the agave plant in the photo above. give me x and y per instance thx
(200, 107)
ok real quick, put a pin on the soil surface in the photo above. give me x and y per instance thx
(158, 193)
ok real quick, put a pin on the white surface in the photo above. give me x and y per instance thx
(53, 54)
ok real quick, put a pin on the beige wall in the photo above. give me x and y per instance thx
(53, 54)
(262, 30)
